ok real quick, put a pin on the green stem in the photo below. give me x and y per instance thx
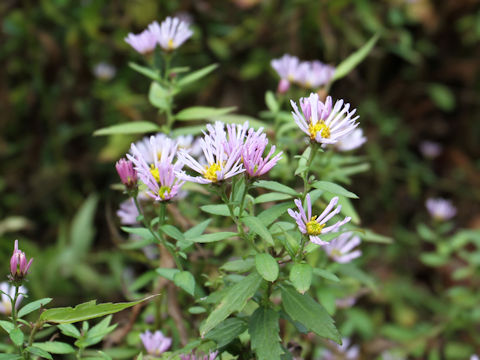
(306, 184)
(14, 302)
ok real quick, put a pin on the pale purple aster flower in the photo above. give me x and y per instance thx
(219, 166)
(321, 122)
(146, 147)
(18, 263)
(210, 356)
(430, 149)
(7, 290)
(351, 141)
(104, 71)
(340, 248)
(315, 225)
(474, 357)
(287, 68)
(171, 33)
(128, 212)
(155, 343)
(144, 43)
(345, 303)
(313, 74)
(128, 175)
(344, 351)
(232, 138)
(440, 209)
(252, 152)
(159, 176)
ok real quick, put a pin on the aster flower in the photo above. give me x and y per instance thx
(18, 263)
(321, 122)
(252, 152)
(430, 149)
(219, 165)
(440, 209)
(474, 357)
(171, 33)
(159, 175)
(315, 225)
(128, 212)
(313, 74)
(7, 290)
(287, 68)
(104, 71)
(344, 351)
(155, 343)
(144, 43)
(210, 356)
(340, 248)
(127, 173)
(351, 141)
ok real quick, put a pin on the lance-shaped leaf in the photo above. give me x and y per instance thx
(196, 75)
(227, 331)
(234, 299)
(334, 189)
(263, 328)
(202, 112)
(135, 127)
(258, 228)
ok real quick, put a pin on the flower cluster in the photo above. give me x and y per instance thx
(170, 34)
(18, 264)
(308, 74)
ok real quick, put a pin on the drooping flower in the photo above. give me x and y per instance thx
(219, 165)
(287, 68)
(252, 152)
(171, 33)
(144, 43)
(351, 141)
(313, 74)
(210, 356)
(440, 209)
(128, 175)
(9, 290)
(321, 122)
(340, 248)
(155, 343)
(315, 225)
(430, 149)
(158, 175)
(344, 351)
(18, 263)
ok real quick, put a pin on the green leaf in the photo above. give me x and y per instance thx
(85, 311)
(167, 273)
(135, 127)
(334, 189)
(240, 119)
(10, 357)
(152, 74)
(442, 96)
(55, 347)
(369, 235)
(239, 266)
(258, 228)
(271, 102)
(96, 333)
(139, 231)
(207, 238)
(267, 266)
(197, 230)
(201, 112)
(186, 281)
(7, 326)
(39, 352)
(302, 163)
(220, 209)
(273, 213)
(34, 305)
(301, 277)
(264, 333)
(275, 186)
(196, 75)
(82, 230)
(69, 330)
(17, 337)
(271, 196)
(309, 313)
(234, 299)
(354, 59)
(159, 96)
(197, 310)
(227, 331)
(326, 274)
(173, 232)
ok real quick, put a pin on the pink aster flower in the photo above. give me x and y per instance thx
(287, 68)
(7, 292)
(351, 141)
(252, 152)
(340, 248)
(128, 212)
(313, 74)
(18, 263)
(144, 43)
(321, 122)
(315, 225)
(127, 173)
(159, 175)
(219, 165)
(210, 356)
(430, 149)
(171, 33)
(344, 351)
(155, 343)
(440, 209)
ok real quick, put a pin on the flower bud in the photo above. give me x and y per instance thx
(128, 175)
(18, 264)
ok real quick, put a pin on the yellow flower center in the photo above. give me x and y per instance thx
(320, 126)
(211, 172)
(164, 189)
(314, 228)
(336, 252)
(7, 305)
(170, 45)
(155, 173)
